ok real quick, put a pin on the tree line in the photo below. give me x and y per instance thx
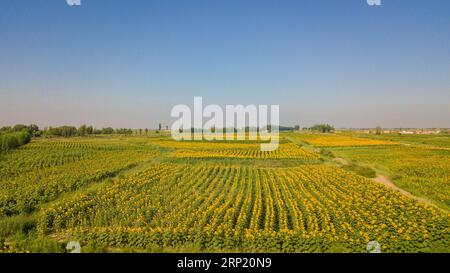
(12, 137)
(322, 128)
(84, 130)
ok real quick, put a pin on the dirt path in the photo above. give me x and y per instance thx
(340, 161)
(388, 183)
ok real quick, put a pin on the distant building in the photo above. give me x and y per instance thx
(420, 132)
(429, 132)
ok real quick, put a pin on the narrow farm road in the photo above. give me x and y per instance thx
(388, 183)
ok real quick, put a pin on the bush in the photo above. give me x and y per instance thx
(33, 244)
(16, 224)
(13, 140)
(361, 170)
(23, 138)
(323, 128)
(8, 142)
(327, 153)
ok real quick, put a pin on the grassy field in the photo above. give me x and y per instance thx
(441, 141)
(156, 195)
(421, 171)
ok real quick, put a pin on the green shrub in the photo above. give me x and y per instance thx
(13, 140)
(361, 170)
(16, 224)
(327, 153)
(33, 244)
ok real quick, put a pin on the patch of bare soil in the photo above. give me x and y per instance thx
(340, 161)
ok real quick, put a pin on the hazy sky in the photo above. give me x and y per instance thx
(126, 63)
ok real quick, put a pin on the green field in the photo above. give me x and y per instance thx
(152, 194)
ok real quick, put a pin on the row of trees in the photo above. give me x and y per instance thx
(323, 128)
(32, 129)
(12, 137)
(65, 131)
(84, 130)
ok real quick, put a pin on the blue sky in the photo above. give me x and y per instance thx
(126, 63)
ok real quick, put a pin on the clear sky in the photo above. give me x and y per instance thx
(125, 63)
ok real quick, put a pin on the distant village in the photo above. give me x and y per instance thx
(434, 131)
(326, 128)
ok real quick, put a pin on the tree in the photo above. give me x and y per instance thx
(6, 129)
(20, 127)
(82, 131)
(34, 130)
(13, 140)
(297, 127)
(160, 127)
(323, 128)
(63, 131)
(378, 130)
(146, 131)
(124, 131)
(108, 131)
(90, 130)
(68, 131)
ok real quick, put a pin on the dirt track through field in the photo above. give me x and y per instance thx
(382, 179)
(388, 183)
